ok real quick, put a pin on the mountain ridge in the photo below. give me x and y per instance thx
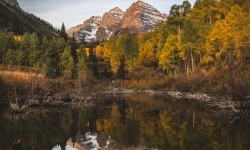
(139, 18)
(14, 19)
(13, 3)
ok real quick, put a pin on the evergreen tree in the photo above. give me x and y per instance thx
(62, 33)
(93, 62)
(67, 61)
(52, 65)
(24, 47)
(6, 42)
(82, 63)
(35, 52)
(121, 71)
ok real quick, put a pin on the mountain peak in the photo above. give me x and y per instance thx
(140, 17)
(116, 8)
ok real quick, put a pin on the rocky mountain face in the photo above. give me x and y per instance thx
(111, 23)
(98, 28)
(140, 17)
(87, 31)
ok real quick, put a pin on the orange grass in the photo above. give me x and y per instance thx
(20, 78)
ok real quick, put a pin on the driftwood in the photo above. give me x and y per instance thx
(225, 104)
(76, 101)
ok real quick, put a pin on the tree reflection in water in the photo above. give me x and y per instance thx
(137, 120)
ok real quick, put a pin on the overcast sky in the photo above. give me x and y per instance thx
(74, 12)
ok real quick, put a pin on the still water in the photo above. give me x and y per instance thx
(135, 121)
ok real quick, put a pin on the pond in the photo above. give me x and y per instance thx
(133, 121)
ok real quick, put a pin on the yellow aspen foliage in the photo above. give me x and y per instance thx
(17, 38)
(147, 54)
(87, 51)
(106, 51)
(168, 56)
(234, 21)
(217, 41)
(99, 51)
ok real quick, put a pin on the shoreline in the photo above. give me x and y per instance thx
(223, 103)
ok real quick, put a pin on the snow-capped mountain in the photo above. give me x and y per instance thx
(111, 23)
(98, 28)
(87, 31)
(140, 17)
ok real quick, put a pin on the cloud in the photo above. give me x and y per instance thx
(73, 12)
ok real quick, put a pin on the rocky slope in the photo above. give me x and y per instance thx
(111, 23)
(86, 31)
(98, 28)
(140, 17)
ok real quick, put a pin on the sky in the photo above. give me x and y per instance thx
(74, 12)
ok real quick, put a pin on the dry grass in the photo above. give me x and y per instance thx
(21, 79)
(24, 82)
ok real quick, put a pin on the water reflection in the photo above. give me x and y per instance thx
(121, 122)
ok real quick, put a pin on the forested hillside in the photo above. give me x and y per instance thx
(14, 19)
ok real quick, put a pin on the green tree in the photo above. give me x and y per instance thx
(92, 62)
(190, 43)
(127, 46)
(53, 53)
(62, 33)
(34, 48)
(82, 63)
(6, 42)
(14, 57)
(121, 71)
(25, 48)
(67, 61)
(178, 13)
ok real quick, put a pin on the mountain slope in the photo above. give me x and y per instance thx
(98, 28)
(86, 31)
(12, 2)
(111, 23)
(14, 19)
(140, 17)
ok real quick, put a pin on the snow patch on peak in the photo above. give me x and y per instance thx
(88, 34)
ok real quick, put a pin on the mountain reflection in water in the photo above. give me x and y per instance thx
(134, 121)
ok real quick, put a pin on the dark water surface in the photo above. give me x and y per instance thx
(135, 121)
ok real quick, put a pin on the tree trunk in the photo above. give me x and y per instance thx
(210, 19)
(192, 61)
